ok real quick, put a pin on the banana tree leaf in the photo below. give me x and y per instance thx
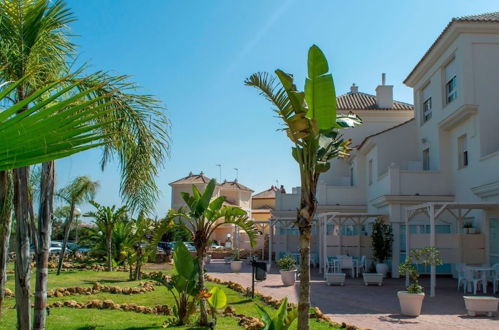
(319, 90)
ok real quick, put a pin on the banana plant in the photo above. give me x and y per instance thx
(217, 301)
(204, 215)
(183, 285)
(313, 126)
(282, 319)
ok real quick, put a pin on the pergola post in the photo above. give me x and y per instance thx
(433, 274)
(271, 233)
(407, 245)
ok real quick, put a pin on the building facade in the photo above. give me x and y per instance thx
(442, 155)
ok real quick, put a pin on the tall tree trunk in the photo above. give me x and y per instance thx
(67, 228)
(23, 257)
(304, 220)
(5, 228)
(138, 263)
(109, 251)
(203, 318)
(44, 232)
(33, 229)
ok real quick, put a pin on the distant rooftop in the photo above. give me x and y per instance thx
(234, 185)
(355, 100)
(492, 17)
(266, 194)
(192, 179)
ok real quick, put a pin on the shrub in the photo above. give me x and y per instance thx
(286, 263)
(382, 239)
(428, 256)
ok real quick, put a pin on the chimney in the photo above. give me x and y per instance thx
(354, 89)
(384, 94)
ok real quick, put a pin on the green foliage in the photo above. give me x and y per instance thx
(183, 285)
(204, 214)
(382, 240)
(286, 263)
(49, 129)
(217, 300)
(281, 320)
(428, 256)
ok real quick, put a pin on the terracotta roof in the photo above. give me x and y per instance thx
(234, 185)
(363, 101)
(492, 17)
(192, 179)
(269, 193)
(381, 132)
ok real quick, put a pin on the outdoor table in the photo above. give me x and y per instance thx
(483, 272)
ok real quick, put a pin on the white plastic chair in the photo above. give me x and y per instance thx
(347, 263)
(461, 279)
(495, 277)
(471, 278)
(362, 264)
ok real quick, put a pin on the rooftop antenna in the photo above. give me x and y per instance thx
(219, 172)
(237, 172)
(277, 182)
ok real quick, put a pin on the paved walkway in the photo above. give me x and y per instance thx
(370, 307)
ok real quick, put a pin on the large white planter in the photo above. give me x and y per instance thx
(410, 303)
(335, 278)
(382, 269)
(373, 278)
(288, 277)
(477, 304)
(236, 266)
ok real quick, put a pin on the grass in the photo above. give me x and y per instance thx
(79, 319)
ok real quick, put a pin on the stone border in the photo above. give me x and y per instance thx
(317, 313)
(109, 304)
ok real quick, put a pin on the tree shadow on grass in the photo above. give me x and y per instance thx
(244, 301)
(104, 281)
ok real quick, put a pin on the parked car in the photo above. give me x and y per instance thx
(215, 246)
(74, 247)
(170, 246)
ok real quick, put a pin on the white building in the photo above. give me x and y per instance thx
(444, 161)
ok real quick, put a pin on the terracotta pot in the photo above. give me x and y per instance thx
(410, 303)
(288, 277)
(236, 266)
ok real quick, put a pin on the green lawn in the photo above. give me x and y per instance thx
(68, 318)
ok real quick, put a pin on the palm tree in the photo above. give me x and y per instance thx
(34, 42)
(82, 189)
(311, 123)
(106, 218)
(48, 130)
(202, 218)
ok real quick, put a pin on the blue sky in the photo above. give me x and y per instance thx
(195, 55)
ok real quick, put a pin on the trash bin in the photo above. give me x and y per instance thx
(260, 270)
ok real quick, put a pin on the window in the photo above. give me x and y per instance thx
(370, 171)
(426, 98)
(351, 177)
(426, 159)
(450, 90)
(427, 110)
(462, 149)
(450, 82)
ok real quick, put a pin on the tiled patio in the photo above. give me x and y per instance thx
(370, 307)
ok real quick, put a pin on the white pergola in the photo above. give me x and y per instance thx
(286, 222)
(340, 218)
(434, 210)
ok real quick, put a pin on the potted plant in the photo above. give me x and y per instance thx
(236, 264)
(411, 300)
(287, 268)
(467, 227)
(382, 239)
